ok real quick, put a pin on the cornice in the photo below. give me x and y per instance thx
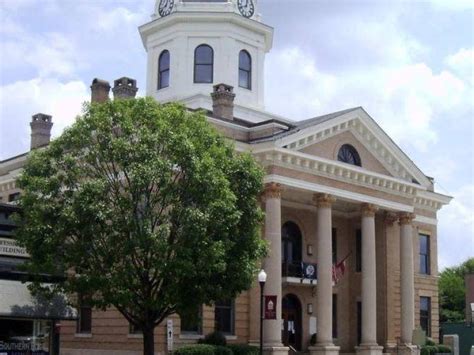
(336, 170)
(338, 193)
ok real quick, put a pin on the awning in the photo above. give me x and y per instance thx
(17, 301)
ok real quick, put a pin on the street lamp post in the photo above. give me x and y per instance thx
(262, 277)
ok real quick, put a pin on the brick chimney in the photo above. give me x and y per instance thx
(100, 90)
(223, 101)
(125, 88)
(40, 130)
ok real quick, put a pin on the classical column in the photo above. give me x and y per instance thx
(407, 287)
(324, 343)
(369, 287)
(272, 265)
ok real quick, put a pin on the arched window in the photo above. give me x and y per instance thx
(164, 70)
(348, 154)
(203, 64)
(245, 70)
(291, 249)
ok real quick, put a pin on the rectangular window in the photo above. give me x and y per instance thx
(424, 254)
(14, 197)
(334, 316)
(192, 323)
(224, 317)
(425, 315)
(132, 329)
(334, 246)
(358, 265)
(359, 322)
(84, 321)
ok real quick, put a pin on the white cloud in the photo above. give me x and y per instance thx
(453, 5)
(20, 100)
(456, 228)
(403, 98)
(462, 62)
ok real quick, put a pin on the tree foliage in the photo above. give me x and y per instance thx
(452, 291)
(146, 207)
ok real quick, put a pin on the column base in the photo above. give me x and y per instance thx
(275, 350)
(324, 350)
(408, 350)
(369, 349)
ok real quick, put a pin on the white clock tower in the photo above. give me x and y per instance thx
(193, 45)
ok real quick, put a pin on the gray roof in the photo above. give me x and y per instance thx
(300, 125)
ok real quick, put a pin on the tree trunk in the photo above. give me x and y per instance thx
(148, 341)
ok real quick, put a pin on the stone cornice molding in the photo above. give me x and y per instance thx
(368, 210)
(336, 170)
(324, 200)
(406, 218)
(272, 190)
(338, 193)
(350, 174)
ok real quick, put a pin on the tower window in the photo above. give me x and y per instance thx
(348, 154)
(164, 70)
(203, 64)
(245, 70)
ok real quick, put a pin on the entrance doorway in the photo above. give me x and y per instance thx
(292, 324)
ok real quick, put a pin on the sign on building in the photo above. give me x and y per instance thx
(169, 334)
(9, 247)
(270, 307)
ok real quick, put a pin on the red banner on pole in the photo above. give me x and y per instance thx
(270, 307)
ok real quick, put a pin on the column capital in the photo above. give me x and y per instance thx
(405, 218)
(390, 218)
(368, 210)
(324, 200)
(272, 190)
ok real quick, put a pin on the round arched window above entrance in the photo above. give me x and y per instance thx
(348, 154)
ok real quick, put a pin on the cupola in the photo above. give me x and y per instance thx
(194, 45)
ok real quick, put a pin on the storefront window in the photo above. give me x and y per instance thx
(20, 336)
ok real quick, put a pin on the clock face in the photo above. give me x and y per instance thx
(165, 7)
(246, 7)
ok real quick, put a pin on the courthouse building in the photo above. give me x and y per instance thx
(338, 191)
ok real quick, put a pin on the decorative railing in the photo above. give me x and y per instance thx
(298, 269)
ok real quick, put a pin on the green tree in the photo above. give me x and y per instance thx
(146, 208)
(452, 291)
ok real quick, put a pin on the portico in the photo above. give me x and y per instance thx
(331, 212)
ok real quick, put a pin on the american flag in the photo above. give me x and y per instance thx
(338, 269)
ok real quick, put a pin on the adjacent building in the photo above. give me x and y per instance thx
(350, 219)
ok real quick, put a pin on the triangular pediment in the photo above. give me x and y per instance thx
(323, 137)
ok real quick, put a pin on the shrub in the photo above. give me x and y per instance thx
(222, 350)
(312, 341)
(430, 342)
(443, 349)
(214, 338)
(243, 349)
(429, 350)
(196, 349)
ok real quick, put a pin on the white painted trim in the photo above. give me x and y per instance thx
(426, 220)
(297, 281)
(186, 336)
(246, 129)
(434, 196)
(343, 194)
(336, 170)
(83, 335)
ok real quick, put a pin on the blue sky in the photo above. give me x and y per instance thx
(408, 63)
